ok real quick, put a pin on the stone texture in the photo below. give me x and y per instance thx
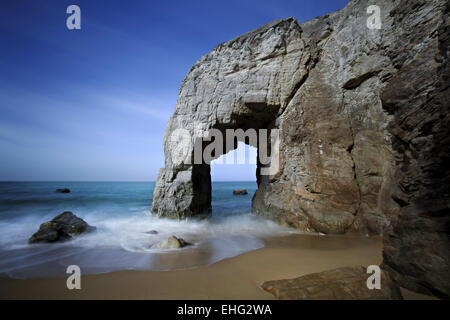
(348, 283)
(61, 228)
(172, 243)
(363, 120)
(317, 82)
(417, 248)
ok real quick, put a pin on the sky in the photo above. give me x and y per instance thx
(92, 104)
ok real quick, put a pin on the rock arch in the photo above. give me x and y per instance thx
(236, 86)
(363, 120)
(283, 76)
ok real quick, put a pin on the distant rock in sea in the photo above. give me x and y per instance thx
(240, 192)
(152, 232)
(172, 243)
(63, 190)
(61, 228)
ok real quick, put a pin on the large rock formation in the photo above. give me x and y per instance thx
(417, 248)
(363, 120)
(319, 83)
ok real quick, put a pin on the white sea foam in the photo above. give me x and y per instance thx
(123, 242)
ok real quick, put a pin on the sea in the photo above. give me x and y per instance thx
(120, 211)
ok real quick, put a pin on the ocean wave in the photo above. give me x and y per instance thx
(121, 213)
(131, 247)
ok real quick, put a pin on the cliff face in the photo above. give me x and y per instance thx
(417, 248)
(363, 124)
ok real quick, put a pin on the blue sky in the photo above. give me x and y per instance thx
(92, 104)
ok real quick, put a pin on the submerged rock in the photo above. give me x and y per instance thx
(61, 228)
(337, 284)
(240, 192)
(172, 243)
(63, 190)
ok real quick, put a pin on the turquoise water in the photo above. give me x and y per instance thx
(120, 211)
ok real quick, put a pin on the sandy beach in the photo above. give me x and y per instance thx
(239, 277)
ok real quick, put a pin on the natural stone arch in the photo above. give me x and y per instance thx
(188, 189)
(242, 84)
(326, 106)
(337, 171)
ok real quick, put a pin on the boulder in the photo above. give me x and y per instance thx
(61, 228)
(240, 192)
(172, 243)
(348, 283)
(63, 190)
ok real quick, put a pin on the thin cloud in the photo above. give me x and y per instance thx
(153, 107)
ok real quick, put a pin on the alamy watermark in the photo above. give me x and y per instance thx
(73, 22)
(374, 281)
(74, 280)
(204, 146)
(374, 20)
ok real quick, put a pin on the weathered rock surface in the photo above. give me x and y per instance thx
(63, 190)
(363, 120)
(240, 192)
(61, 228)
(348, 283)
(417, 248)
(172, 243)
(319, 83)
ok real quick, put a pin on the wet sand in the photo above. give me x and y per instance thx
(239, 277)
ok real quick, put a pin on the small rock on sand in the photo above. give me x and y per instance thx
(172, 243)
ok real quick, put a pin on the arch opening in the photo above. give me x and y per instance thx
(184, 188)
(246, 140)
(231, 174)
